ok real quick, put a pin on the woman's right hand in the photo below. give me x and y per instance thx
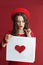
(4, 44)
(7, 38)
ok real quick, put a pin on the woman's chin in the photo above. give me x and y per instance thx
(21, 28)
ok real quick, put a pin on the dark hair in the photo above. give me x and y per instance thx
(15, 27)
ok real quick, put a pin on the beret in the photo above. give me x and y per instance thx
(22, 10)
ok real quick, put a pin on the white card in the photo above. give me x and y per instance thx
(21, 49)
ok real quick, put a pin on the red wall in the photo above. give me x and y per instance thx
(36, 24)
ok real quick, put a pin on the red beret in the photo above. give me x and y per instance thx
(23, 10)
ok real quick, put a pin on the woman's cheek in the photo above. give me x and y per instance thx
(18, 24)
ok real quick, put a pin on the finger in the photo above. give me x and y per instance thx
(29, 29)
(10, 36)
(25, 30)
(4, 45)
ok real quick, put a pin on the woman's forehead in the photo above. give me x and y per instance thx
(20, 18)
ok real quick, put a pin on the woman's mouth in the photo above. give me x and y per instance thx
(20, 26)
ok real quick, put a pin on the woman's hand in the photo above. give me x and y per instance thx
(4, 44)
(7, 38)
(28, 32)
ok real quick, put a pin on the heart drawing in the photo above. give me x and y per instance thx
(20, 48)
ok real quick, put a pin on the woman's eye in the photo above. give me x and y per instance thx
(19, 21)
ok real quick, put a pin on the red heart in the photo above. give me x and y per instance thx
(20, 48)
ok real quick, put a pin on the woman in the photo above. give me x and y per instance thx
(20, 18)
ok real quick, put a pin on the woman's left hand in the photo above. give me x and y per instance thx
(28, 32)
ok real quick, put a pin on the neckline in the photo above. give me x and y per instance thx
(21, 34)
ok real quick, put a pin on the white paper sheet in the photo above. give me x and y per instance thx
(21, 49)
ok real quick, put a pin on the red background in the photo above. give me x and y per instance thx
(36, 24)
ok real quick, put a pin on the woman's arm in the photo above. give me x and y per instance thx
(5, 40)
(3, 44)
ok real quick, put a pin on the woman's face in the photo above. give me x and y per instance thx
(20, 22)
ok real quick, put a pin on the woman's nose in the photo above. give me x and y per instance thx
(21, 23)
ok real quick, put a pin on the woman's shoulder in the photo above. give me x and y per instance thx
(8, 34)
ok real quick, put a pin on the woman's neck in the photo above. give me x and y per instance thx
(21, 31)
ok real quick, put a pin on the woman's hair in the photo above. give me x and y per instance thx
(15, 27)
